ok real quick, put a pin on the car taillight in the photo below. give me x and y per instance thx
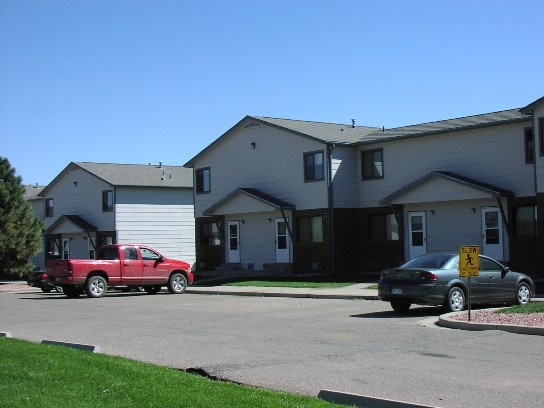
(43, 276)
(427, 277)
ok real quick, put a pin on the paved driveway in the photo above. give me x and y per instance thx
(299, 345)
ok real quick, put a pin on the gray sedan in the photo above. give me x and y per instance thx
(434, 280)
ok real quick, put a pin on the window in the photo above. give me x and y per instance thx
(209, 234)
(383, 227)
(107, 200)
(525, 221)
(149, 255)
(313, 166)
(372, 164)
(529, 146)
(48, 207)
(203, 180)
(541, 135)
(310, 229)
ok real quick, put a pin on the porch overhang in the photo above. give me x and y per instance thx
(247, 200)
(444, 186)
(70, 224)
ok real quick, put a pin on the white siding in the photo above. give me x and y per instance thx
(275, 167)
(160, 217)
(453, 224)
(80, 193)
(492, 155)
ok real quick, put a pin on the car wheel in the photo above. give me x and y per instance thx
(71, 291)
(151, 290)
(46, 290)
(455, 301)
(523, 294)
(96, 286)
(58, 289)
(399, 306)
(177, 283)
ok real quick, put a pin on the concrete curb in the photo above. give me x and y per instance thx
(84, 347)
(6, 334)
(344, 398)
(447, 320)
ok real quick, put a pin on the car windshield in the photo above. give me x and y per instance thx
(434, 261)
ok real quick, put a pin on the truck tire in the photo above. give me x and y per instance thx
(71, 291)
(96, 286)
(177, 283)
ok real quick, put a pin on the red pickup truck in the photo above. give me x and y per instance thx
(119, 265)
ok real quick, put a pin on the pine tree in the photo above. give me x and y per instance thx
(20, 231)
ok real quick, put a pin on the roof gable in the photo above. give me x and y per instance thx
(443, 186)
(248, 200)
(70, 224)
(132, 175)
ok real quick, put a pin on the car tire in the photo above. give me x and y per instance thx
(96, 286)
(58, 289)
(71, 291)
(523, 294)
(177, 283)
(400, 306)
(455, 300)
(151, 290)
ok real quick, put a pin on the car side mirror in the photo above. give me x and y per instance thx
(160, 258)
(506, 269)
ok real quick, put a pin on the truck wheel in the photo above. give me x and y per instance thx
(71, 291)
(177, 283)
(96, 286)
(151, 290)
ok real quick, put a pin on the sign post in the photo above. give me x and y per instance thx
(469, 266)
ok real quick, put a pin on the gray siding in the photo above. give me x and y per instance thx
(275, 166)
(492, 155)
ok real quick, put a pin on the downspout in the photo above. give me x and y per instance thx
(330, 193)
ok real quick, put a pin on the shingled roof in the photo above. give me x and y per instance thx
(133, 175)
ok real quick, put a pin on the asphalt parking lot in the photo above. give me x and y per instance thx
(302, 345)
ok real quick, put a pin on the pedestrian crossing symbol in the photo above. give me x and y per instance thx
(469, 263)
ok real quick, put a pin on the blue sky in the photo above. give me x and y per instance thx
(143, 81)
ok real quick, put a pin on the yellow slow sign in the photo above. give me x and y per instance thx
(469, 263)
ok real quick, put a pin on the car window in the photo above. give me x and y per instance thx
(107, 253)
(130, 253)
(148, 254)
(489, 265)
(435, 261)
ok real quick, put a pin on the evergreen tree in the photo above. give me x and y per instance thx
(20, 231)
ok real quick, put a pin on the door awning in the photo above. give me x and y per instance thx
(247, 200)
(70, 224)
(444, 186)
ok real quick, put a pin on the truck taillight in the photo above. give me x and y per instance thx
(69, 269)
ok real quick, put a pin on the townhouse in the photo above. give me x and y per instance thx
(302, 196)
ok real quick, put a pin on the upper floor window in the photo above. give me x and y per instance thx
(310, 229)
(372, 164)
(48, 207)
(107, 200)
(541, 135)
(529, 146)
(313, 166)
(383, 227)
(202, 180)
(525, 218)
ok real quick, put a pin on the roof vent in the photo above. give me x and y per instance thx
(352, 123)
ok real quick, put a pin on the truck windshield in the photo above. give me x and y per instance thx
(107, 253)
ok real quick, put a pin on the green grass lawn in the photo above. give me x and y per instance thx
(531, 307)
(314, 282)
(40, 375)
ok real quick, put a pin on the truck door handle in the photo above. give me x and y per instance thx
(146, 264)
(126, 264)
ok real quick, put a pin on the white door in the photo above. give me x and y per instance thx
(492, 233)
(282, 241)
(65, 248)
(417, 234)
(233, 240)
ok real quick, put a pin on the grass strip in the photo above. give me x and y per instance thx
(531, 307)
(40, 375)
